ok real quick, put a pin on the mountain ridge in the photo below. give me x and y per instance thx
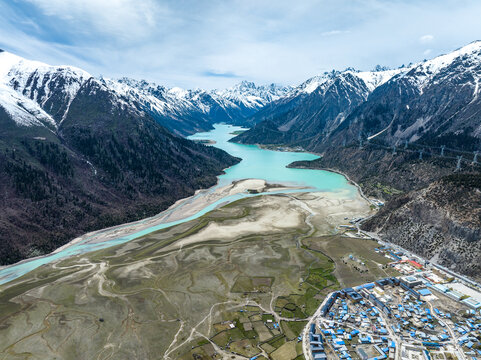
(314, 108)
(182, 111)
(410, 82)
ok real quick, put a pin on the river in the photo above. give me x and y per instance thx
(256, 163)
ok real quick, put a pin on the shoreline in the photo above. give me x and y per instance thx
(116, 231)
(178, 211)
(349, 180)
(92, 233)
(185, 209)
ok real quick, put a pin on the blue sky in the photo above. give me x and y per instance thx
(214, 43)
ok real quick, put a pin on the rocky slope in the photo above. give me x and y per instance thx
(441, 222)
(76, 156)
(314, 109)
(430, 208)
(436, 102)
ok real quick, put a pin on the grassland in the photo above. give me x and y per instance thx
(233, 293)
(366, 265)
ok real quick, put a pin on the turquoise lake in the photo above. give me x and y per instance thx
(256, 164)
(268, 164)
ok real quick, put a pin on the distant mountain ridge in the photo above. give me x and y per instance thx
(189, 111)
(314, 108)
(181, 111)
(437, 97)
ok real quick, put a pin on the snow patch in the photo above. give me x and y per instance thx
(23, 111)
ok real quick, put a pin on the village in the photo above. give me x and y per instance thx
(417, 311)
(426, 314)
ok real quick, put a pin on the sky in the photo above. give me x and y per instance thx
(217, 43)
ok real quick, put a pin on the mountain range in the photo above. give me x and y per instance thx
(314, 108)
(435, 98)
(80, 153)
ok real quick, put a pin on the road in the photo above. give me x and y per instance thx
(451, 333)
(305, 334)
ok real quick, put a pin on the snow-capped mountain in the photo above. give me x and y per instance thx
(371, 79)
(438, 97)
(77, 155)
(244, 99)
(465, 60)
(432, 205)
(436, 101)
(176, 109)
(312, 110)
(53, 89)
(26, 112)
(186, 111)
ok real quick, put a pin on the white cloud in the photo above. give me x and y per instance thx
(184, 42)
(335, 32)
(426, 39)
(427, 52)
(128, 19)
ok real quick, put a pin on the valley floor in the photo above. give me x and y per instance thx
(240, 280)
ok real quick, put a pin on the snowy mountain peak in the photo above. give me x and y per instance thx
(244, 89)
(179, 92)
(466, 59)
(471, 51)
(11, 64)
(372, 79)
(314, 82)
(244, 86)
(53, 88)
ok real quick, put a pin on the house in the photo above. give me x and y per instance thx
(411, 281)
(456, 295)
(424, 292)
(472, 303)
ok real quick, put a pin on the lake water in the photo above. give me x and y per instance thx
(256, 164)
(270, 165)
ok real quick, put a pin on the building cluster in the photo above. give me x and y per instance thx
(353, 327)
(372, 320)
(436, 280)
(457, 295)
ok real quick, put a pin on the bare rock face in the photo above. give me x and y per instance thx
(441, 222)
